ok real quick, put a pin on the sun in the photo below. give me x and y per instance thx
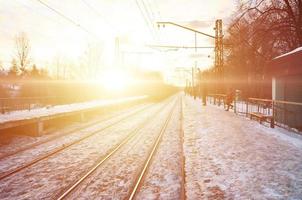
(116, 80)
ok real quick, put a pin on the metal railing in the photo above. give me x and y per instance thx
(217, 99)
(285, 114)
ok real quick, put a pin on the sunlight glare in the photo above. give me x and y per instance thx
(116, 80)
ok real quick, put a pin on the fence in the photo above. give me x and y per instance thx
(216, 99)
(285, 114)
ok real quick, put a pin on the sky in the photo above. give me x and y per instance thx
(117, 32)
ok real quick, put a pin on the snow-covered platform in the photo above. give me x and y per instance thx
(37, 116)
(232, 157)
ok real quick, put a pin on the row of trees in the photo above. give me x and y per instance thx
(24, 79)
(21, 66)
(259, 31)
(31, 72)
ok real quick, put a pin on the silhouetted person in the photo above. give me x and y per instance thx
(204, 94)
(229, 99)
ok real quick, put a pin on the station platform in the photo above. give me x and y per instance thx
(232, 157)
(36, 117)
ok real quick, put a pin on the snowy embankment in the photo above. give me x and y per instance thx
(59, 109)
(228, 156)
(49, 177)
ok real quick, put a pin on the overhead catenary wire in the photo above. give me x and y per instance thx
(157, 9)
(181, 47)
(148, 4)
(151, 16)
(35, 27)
(65, 17)
(145, 18)
(149, 12)
(99, 14)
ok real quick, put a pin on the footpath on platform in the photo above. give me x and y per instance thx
(230, 156)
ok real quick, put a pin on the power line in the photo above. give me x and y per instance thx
(99, 14)
(145, 18)
(151, 17)
(38, 13)
(184, 27)
(181, 47)
(151, 9)
(65, 17)
(147, 12)
(158, 10)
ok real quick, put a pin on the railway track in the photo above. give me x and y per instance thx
(68, 145)
(151, 158)
(142, 171)
(165, 176)
(182, 157)
(35, 144)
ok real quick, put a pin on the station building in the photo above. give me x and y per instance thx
(286, 76)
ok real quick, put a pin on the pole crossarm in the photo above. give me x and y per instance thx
(180, 47)
(185, 70)
(187, 28)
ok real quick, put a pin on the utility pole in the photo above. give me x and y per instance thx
(219, 55)
(195, 66)
(117, 53)
(218, 49)
(193, 90)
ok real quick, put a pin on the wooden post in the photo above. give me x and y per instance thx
(40, 127)
(273, 115)
(247, 108)
(82, 117)
(235, 111)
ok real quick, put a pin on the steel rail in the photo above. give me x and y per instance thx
(65, 146)
(112, 116)
(182, 157)
(111, 152)
(147, 163)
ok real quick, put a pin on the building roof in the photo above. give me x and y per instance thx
(287, 64)
(297, 50)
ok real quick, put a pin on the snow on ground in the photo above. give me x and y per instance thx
(232, 157)
(116, 176)
(9, 143)
(163, 178)
(49, 177)
(11, 162)
(42, 112)
(226, 157)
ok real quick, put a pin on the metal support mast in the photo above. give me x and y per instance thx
(219, 54)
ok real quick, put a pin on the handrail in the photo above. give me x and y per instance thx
(276, 101)
(222, 95)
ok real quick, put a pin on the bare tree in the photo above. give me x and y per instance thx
(1, 66)
(279, 22)
(261, 30)
(22, 51)
(13, 70)
(92, 60)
